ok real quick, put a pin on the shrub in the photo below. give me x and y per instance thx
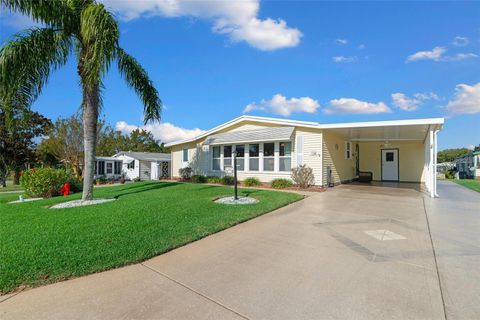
(450, 174)
(45, 182)
(198, 178)
(214, 179)
(227, 180)
(303, 176)
(251, 182)
(281, 183)
(185, 173)
(137, 179)
(76, 184)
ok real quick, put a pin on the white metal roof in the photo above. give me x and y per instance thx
(285, 122)
(257, 135)
(412, 129)
(397, 130)
(147, 156)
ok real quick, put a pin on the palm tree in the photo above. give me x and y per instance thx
(88, 29)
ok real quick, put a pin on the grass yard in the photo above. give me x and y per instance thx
(41, 245)
(468, 183)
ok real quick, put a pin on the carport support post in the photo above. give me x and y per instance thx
(234, 153)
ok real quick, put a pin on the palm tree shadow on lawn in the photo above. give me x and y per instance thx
(143, 188)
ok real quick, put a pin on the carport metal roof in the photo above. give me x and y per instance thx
(398, 130)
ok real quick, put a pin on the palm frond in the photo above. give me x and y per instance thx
(57, 13)
(26, 62)
(137, 78)
(99, 37)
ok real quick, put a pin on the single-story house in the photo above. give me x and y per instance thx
(468, 166)
(132, 165)
(268, 148)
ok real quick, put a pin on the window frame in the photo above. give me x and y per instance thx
(219, 158)
(269, 157)
(254, 158)
(280, 157)
(185, 151)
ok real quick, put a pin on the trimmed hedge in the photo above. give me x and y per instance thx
(214, 179)
(198, 178)
(227, 180)
(281, 183)
(47, 182)
(251, 182)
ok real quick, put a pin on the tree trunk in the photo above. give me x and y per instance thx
(16, 176)
(91, 100)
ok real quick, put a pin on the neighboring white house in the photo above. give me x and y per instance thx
(132, 165)
(268, 148)
(468, 166)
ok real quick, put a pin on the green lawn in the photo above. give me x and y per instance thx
(470, 184)
(41, 245)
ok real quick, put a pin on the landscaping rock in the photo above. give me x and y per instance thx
(240, 200)
(80, 203)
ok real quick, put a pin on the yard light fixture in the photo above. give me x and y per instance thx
(234, 154)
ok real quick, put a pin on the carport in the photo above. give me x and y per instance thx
(393, 151)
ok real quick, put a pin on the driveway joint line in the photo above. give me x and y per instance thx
(435, 259)
(195, 291)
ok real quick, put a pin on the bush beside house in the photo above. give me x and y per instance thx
(281, 183)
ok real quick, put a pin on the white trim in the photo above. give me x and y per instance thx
(389, 123)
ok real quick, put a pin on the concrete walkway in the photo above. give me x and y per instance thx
(353, 252)
(455, 224)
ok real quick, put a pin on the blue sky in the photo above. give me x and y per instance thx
(306, 60)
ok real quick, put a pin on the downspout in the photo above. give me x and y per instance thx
(435, 163)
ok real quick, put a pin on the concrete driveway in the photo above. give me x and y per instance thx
(354, 252)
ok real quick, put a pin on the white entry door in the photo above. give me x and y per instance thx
(390, 164)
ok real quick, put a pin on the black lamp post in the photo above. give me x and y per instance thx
(234, 153)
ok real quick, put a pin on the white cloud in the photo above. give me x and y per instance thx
(466, 101)
(341, 41)
(282, 106)
(238, 19)
(361, 47)
(354, 106)
(434, 55)
(405, 103)
(165, 132)
(460, 41)
(437, 55)
(461, 56)
(343, 59)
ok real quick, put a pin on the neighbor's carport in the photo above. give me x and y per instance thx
(399, 151)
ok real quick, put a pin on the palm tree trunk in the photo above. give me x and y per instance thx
(91, 100)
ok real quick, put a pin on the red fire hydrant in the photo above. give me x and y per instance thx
(66, 189)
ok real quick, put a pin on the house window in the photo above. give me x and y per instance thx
(101, 167)
(268, 156)
(227, 156)
(185, 155)
(285, 153)
(253, 152)
(118, 167)
(109, 168)
(389, 157)
(216, 158)
(348, 150)
(131, 165)
(240, 148)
